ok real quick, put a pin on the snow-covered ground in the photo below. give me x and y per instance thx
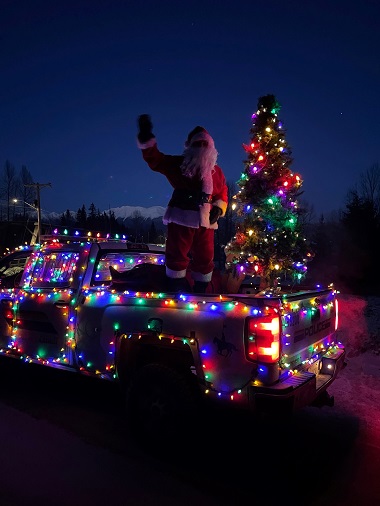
(357, 389)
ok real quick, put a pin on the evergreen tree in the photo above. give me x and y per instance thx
(112, 224)
(67, 219)
(358, 255)
(326, 236)
(137, 220)
(91, 217)
(152, 234)
(268, 240)
(62, 220)
(81, 217)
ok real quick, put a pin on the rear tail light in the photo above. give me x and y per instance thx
(262, 338)
(6, 309)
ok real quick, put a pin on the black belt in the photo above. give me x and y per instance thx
(189, 199)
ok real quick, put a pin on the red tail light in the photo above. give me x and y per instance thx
(6, 306)
(262, 338)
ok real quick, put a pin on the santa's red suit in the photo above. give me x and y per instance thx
(190, 234)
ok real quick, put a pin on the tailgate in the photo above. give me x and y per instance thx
(309, 322)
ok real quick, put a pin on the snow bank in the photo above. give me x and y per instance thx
(359, 324)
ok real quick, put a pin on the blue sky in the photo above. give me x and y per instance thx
(76, 74)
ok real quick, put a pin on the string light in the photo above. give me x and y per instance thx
(62, 266)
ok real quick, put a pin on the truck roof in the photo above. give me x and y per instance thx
(105, 242)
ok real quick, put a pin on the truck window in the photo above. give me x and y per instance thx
(122, 261)
(11, 268)
(54, 269)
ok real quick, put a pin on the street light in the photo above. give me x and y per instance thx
(37, 207)
(36, 237)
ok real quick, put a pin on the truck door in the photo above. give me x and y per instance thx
(41, 327)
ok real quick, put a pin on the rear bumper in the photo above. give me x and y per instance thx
(300, 389)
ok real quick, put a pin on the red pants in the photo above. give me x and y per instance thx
(194, 246)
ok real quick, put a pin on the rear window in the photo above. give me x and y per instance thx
(54, 269)
(12, 268)
(122, 261)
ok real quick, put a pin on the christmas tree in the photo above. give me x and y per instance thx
(268, 240)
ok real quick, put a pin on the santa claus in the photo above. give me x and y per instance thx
(199, 199)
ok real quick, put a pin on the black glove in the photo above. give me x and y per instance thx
(145, 126)
(215, 214)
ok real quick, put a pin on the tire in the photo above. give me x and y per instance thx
(161, 403)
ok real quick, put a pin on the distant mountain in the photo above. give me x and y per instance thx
(122, 213)
(146, 212)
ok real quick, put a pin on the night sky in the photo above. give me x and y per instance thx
(76, 74)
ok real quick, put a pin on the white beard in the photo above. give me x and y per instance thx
(200, 162)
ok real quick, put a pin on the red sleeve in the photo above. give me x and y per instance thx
(158, 161)
(220, 193)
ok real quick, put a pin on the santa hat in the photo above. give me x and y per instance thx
(199, 134)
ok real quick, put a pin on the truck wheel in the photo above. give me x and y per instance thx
(160, 402)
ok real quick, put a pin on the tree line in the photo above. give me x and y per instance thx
(344, 244)
(346, 250)
(14, 185)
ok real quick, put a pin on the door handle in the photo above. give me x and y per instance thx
(61, 304)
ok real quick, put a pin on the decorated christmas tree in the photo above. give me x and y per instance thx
(268, 242)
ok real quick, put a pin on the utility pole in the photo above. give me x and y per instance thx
(37, 186)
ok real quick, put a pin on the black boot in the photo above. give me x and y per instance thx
(200, 286)
(178, 285)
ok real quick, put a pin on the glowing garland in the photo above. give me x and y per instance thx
(105, 295)
(188, 302)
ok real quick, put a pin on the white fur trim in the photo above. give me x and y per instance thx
(183, 217)
(175, 274)
(192, 219)
(222, 205)
(197, 276)
(148, 144)
(204, 214)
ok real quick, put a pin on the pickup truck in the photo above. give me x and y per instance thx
(170, 353)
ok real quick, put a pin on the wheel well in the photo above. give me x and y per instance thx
(137, 350)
